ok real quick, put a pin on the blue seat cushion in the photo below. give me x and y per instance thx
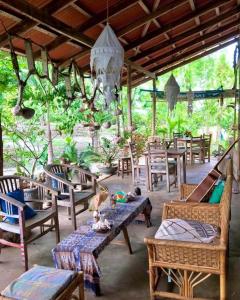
(18, 195)
(217, 193)
(39, 283)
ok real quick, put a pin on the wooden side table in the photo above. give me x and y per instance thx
(124, 166)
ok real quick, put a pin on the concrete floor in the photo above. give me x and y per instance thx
(125, 276)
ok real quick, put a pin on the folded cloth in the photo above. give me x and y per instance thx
(187, 230)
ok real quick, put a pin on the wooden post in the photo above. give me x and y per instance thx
(129, 96)
(154, 108)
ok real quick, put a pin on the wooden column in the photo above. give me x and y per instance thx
(129, 95)
(154, 107)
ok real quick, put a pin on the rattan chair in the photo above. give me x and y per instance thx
(72, 193)
(46, 220)
(189, 264)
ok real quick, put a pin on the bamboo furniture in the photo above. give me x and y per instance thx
(65, 292)
(189, 264)
(70, 197)
(45, 220)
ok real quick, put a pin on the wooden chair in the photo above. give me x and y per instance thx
(136, 167)
(207, 146)
(196, 149)
(178, 144)
(45, 220)
(189, 263)
(21, 288)
(159, 165)
(70, 197)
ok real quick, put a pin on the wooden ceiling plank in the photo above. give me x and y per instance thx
(173, 25)
(197, 49)
(187, 61)
(140, 22)
(101, 17)
(26, 24)
(158, 47)
(42, 16)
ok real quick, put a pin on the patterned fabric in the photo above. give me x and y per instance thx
(39, 283)
(186, 230)
(79, 251)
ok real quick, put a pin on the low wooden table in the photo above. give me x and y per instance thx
(79, 251)
(176, 154)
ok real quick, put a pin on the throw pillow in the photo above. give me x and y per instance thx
(19, 196)
(217, 193)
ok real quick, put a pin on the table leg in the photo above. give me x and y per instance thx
(184, 169)
(127, 240)
(179, 171)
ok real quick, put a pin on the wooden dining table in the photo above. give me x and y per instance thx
(178, 155)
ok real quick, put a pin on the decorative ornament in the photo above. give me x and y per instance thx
(172, 90)
(106, 62)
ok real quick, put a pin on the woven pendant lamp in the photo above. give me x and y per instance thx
(172, 90)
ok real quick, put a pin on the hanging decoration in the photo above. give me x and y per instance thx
(172, 90)
(106, 62)
(190, 97)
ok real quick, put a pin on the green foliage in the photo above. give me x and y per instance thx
(108, 151)
(70, 150)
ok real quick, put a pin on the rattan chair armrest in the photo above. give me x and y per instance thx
(47, 187)
(12, 201)
(192, 245)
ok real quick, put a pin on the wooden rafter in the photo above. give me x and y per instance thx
(162, 10)
(148, 37)
(185, 45)
(190, 53)
(26, 24)
(187, 61)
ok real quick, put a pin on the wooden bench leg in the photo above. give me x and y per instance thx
(127, 240)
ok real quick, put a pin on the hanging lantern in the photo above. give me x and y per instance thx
(106, 62)
(190, 97)
(172, 90)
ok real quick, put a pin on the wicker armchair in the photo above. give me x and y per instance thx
(189, 264)
(71, 197)
(46, 220)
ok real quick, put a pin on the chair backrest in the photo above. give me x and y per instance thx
(133, 153)
(10, 184)
(154, 139)
(207, 140)
(161, 144)
(156, 160)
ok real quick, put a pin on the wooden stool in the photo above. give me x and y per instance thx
(124, 166)
(45, 283)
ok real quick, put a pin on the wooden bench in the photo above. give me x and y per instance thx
(186, 263)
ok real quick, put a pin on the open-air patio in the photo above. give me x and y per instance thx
(119, 149)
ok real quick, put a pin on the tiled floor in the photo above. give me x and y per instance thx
(125, 276)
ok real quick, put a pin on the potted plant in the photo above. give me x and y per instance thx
(108, 151)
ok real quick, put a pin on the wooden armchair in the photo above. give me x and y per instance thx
(70, 197)
(188, 264)
(45, 220)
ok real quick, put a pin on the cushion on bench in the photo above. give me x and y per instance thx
(39, 283)
(187, 230)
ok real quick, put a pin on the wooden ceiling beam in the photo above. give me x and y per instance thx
(206, 8)
(184, 46)
(160, 11)
(42, 16)
(192, 52)
(187, 61)
(26, 23)
(102, 16)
